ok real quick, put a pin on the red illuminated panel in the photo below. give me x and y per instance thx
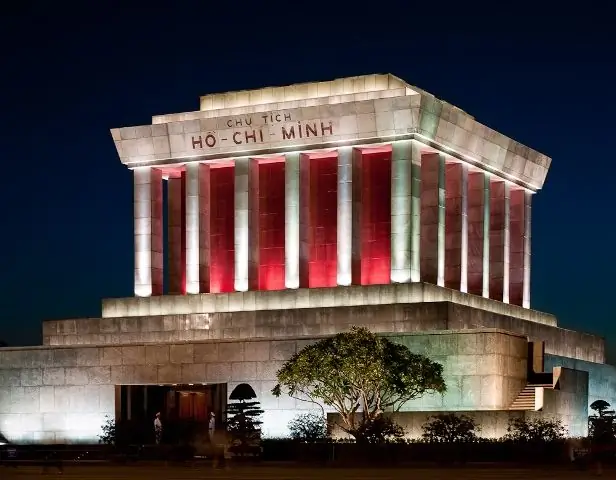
(318, 221)
(372, 205)
(176, 231)
(497, 238)
(221, 222)
(453, 225)
(516, 252)
(475, 232)
(267, 229)
(429, 218)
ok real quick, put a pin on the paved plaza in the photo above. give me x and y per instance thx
(261, 472)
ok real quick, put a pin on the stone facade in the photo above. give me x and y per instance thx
(390, 208)
(62, 394)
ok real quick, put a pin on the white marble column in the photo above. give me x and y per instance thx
(291, 220)
(527, 245)
(148, 230)
(486, 235)
(415, 212)
(345, 216)
(464, 240)
(440, 274)
(197, 185)
(242, 214)
(401, 201)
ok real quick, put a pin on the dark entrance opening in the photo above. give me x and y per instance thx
(184, 411)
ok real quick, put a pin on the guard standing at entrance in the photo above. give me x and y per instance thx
(158, 429)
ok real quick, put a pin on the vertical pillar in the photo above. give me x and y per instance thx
(486, 236)
(415, 212)
(433, 219)
(440, 279)
(148, 219)
(454, 220)
(305, 221)
(291, 220)
(197, 232)
(254, 232)
(176, 233)
(506, 246)
(464, 231)
(497, 238)
(527, 243)
(357, 186)
(345, 215)
(519, 252)
(401, 201)
(475, 211)
(241, 223)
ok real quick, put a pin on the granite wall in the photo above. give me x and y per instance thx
(63, 394)
(277, 323)
(601, 377)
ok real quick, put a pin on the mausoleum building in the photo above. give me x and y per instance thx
(293, 213)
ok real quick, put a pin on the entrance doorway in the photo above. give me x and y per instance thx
(184, 410)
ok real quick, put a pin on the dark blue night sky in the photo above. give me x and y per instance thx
(545, 78)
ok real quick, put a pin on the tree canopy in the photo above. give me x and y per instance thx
(358, 372)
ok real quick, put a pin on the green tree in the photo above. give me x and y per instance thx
(449, 427)
(602, 423)
(308, 427)
(243, 419)
(108, 435)
(536, 430)
(360, 375)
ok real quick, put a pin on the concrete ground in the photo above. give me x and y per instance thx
(113, 472)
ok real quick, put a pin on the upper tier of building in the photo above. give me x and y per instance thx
(363, 110)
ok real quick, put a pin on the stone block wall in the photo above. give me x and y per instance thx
(558, 341)
(601, 377)
(290, 299)
(484, 370)
(323, 320)
(569, 403)
(62, 394)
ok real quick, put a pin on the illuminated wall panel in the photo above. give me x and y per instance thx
(176, 233)
(267, 226)
(475, 232)
(318, 221)
(432, 249)
(517, 226)
(221, 228)
(497, 238)
(454, 219)
(372, 216)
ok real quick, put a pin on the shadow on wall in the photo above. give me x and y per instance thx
(3, 440)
